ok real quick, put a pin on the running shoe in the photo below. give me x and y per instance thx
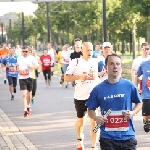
(32, 101)
(94, 148)
(25, 113)
(14, 89)
(4, 81)
(12, 97)
(28, 111)
(80, 145)
(147, 126)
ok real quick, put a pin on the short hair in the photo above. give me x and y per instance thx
(144, 44)
(24, 47)
(113, 54)
(77, 39)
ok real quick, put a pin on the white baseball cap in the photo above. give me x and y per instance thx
(105, 44)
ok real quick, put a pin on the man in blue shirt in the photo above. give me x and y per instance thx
(97, 51)
(118, 94)
(10, 63)
(144, 70)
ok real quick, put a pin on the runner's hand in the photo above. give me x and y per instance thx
(83, 77)
(128, 114)
(7, 66)
(30, 67)
(100, 120)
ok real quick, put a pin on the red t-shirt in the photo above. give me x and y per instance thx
(46, 62)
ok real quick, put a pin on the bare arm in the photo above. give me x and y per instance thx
(70, 78)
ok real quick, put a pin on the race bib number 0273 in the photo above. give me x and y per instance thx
(117, 122)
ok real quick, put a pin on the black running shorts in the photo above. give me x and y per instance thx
(26, 84)
(146, 107)
(108, 144)
(12, 80)
(80, 107)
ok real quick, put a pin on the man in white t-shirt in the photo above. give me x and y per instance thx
(137, 61)
(84, 71)
(52, 53)
(25, 64)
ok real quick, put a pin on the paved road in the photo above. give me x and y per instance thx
(51, 125)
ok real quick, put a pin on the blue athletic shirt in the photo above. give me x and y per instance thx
(12, 62)
(144, 69)
(95, 54)
(118, 96)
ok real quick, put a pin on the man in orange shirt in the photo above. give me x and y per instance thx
(3, 53)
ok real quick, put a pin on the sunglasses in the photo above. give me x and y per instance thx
(146, 49)
(25, 51)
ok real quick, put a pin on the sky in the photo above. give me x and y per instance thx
(27, 7)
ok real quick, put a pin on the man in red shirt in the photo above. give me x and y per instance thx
(46, 63)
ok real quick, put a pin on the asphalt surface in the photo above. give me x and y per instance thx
(51, 125)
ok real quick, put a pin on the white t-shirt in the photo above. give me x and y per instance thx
(23, 63)
(78, 67)
(65, 55)
(52, 54)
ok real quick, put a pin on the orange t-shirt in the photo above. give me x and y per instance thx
(3, 53)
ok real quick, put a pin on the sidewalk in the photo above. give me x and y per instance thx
(10, 136)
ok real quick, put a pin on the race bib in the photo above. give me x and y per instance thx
(66, 60)
(24, 72)
(116, 122)
(11, 70)
(148, 83)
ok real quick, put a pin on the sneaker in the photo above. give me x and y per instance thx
(147, 126)
(25, 113)
(12, 97)
(32, 101)
(28, 111)
(49, 83)
(4, 81)
(94, 148)
(14, 89)
(80, 145)
(66, 86)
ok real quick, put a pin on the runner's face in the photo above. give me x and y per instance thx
(145, 50)
(87, 51)
(45, 52)
(97, 47)
(77, 46)
(25, 52)
(114, 67)
(49, 46)
(106, 51)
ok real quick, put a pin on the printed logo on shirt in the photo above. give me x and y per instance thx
(113, 96)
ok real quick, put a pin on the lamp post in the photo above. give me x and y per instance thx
(48, 22)
(104, 21)
(23, 29)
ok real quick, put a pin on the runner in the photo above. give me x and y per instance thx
(52, 53)
(10, 62)
(25, 65)
(4, 51)
(77, 53)
(107, 50)
(65, 55)
(97, 51)
(136, 63)
(144, 70)
(35, 73)
(59, 59)
(84, 71)
(117, 131)
(47, 64)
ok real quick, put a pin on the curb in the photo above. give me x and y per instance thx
(11, 138)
